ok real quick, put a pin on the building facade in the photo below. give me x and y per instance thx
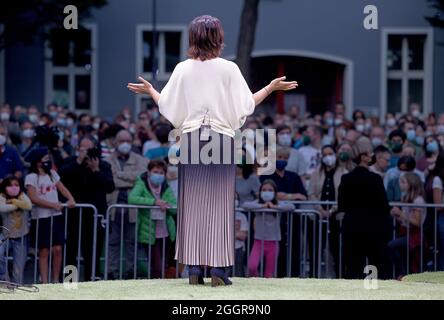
(321, 44)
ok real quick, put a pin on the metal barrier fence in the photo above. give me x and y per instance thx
(124, 210)
(34, 236)
(313, 239)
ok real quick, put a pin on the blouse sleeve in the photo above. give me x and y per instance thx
(171, 101)
(241, 97)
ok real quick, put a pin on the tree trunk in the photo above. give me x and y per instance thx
(247, 31)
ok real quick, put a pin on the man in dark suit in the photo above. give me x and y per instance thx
(363, 199)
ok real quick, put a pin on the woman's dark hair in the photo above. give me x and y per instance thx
(205, 37)
(157, 164)
(6, 183)
(408, 162)
(271, 183)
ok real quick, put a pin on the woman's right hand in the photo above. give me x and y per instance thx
(57, 206)
(142, 88)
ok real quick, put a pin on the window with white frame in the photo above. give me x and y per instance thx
(169, 48)
(407, 70)
(70, 69)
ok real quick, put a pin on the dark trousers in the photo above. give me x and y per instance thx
(358, 247)
(397, 250)
(86, 244)
(156, 265)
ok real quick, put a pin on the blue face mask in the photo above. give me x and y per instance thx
(267, 195)
(281, 164)
(432, 147)
(157, 179)
(419, 140)
(411, 135)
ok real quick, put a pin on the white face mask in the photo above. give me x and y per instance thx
(391, 122)
(69, 122)
(360, 127)
(416, 113)
(284, 140)
(28, 133)
(5, 116)
(267, 195)
(329, 161)
(33, 118)
(2, 140)
(376, 142)
(124, 148)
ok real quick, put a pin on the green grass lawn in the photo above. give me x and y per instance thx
(423, 286)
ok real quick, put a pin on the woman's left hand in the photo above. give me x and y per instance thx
(279, 84)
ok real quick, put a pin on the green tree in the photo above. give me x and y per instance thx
(23, 21)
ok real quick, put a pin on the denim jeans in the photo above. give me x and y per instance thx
(18, 249)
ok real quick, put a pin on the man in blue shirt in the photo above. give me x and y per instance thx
(10, 162)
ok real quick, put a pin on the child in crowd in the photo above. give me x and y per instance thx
(42, 184)
(14, 207)
(267, 228)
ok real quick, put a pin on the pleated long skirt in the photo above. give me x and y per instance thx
(205, 216)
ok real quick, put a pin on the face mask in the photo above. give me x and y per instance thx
(69, 122)
(360, 127)
(281, 164)
(284, 140)
(267, 195)
(306, 140)
(432, 147)
(53, 114)
(127, 116)
(33, 118)
(28, 133)
(396, 147)
(124, 148)
(391, 122)
(61, 122)
(416, 113)
(338, 122)
(329, 161)
(329, 122)
(42, 123)
(132, 130)
(368, 126)
(2, 140)
(411, 135)
(419, 140)
(13, 191)
(5, 116)
(96, 125)
(376, 142)
(327, 140)
(441, 129)
(47, 165)
(157, 179)
(344, 156)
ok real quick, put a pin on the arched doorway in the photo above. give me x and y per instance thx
(323, 79)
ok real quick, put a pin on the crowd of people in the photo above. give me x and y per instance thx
(55, 159)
